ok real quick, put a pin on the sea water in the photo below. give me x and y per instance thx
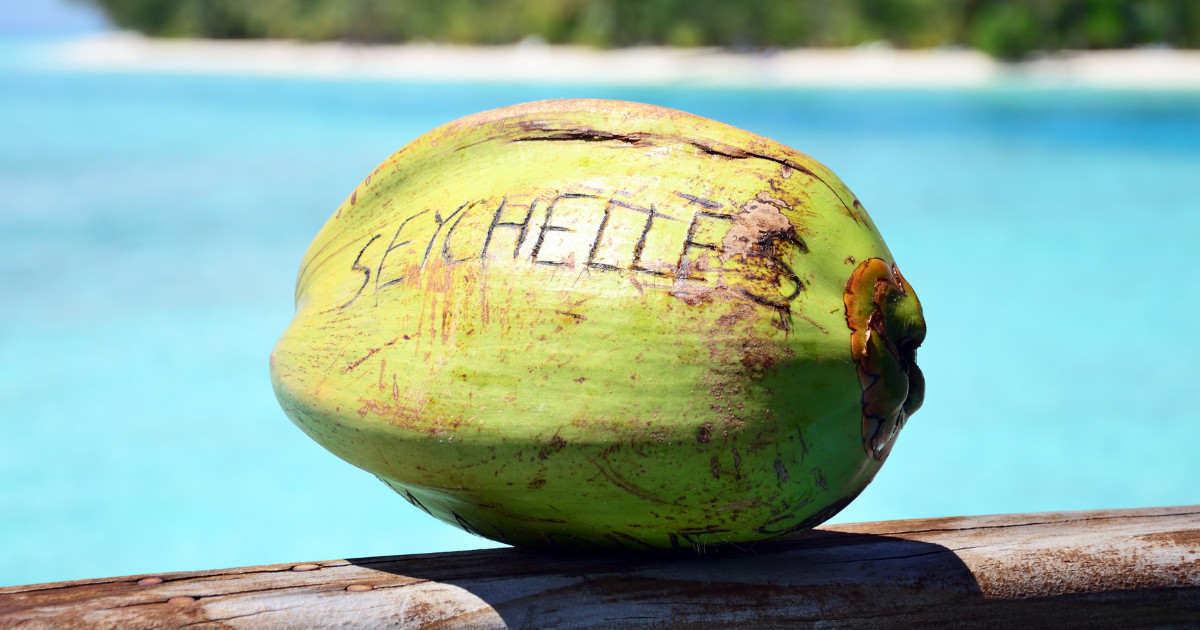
(151, 227)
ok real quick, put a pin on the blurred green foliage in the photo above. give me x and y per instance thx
(1009, 29)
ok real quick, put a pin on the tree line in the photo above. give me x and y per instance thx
(1008, 29)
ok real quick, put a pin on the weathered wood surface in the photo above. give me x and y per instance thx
(1113, 568)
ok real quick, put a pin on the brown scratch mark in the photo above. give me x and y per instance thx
(408, 416)
(465, 525)
(370, 353)
(811, 321)
(714, 148)
(727, 151)
(413, 500)
(624, 484)
(582, 134)
(382, 369)
(583, 270)
(555, 445)
(819, 479)
(855, 212)
(355, 364)
(637, 285)
(706, 203)
(781, 473)
(577, 316)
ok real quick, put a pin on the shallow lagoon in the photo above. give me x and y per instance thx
(151, 228)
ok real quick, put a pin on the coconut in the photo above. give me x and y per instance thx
(595, 324)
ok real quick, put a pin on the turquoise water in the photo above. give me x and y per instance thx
(151, 228)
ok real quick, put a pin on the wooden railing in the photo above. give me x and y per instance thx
(1111, 568)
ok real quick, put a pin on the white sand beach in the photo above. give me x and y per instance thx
(535, 62)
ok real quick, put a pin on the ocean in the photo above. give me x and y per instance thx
(151, 227)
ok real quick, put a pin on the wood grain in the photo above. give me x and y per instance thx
(1117, 568)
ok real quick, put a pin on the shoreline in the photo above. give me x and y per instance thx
(867, 66)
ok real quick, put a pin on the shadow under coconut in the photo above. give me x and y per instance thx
(826, 576)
